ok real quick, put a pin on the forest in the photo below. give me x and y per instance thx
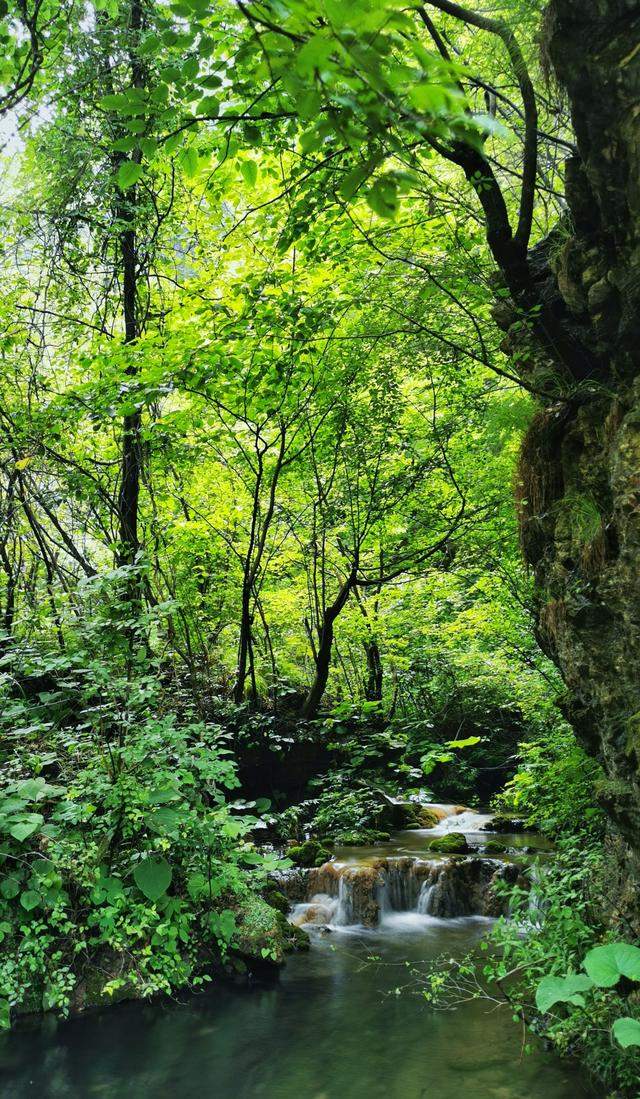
(320, 548)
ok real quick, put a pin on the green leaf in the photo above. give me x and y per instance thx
(149, 147)
(354, 179)
(314, 54)
(562, 990)
(9, 887)
(209, 106)
(129, 173)
(165, 820)
(190, 68)
(5, 1015)
(173, 142)
(25, 828)
(124, 145)
(249, 170)
(383, 198)
(153, 877)
(190, 161)
(223, 924)
(626, 1031)
(196, 886)
(136, 125)
(30, 899)
(606, 964)
(119, 103)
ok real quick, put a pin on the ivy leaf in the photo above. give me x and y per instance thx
(626, 1031)
(153, 877)
(128, 173)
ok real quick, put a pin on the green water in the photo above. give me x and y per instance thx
(330, 1029)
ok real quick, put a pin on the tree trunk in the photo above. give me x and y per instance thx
(244, 645)
(323, 666)
(373, 684)
(579, 481)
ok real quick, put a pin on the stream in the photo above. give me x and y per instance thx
(332, 1027)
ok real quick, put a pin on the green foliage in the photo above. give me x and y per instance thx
(133, 852)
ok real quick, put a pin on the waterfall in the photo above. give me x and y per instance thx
(365, 894)
(424, 898)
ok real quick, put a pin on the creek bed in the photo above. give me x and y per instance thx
(332, 1027)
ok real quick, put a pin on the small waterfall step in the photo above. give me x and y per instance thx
(347, 894)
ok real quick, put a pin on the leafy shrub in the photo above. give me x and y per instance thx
(123, 863)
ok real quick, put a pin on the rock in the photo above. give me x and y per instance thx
(277, 899)
(451, 843)
(310, 853)
(504, 822)
(264, 936)
(494, 847)
(364, 838)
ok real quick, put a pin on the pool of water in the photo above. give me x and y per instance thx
(333, 1027)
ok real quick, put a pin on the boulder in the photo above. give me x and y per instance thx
(308, 854)
(451, 843)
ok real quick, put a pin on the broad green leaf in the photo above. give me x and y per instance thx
(209, 106)
(153, 877)
(562, 990)
(190, 161)
(165, 820)
(626, 1031)
(354, 179)
(190, 68)
(129, 173)
(383, 198)
(606, 964)
(22, 829)
(9, 887)
(223, 924)
(249, 170)
(5, 1015)
(196, 886)
(30, 899)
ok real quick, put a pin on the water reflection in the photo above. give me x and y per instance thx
(330, 1029)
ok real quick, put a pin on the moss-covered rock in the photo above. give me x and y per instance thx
(263, 934)
(310, 853)
(507, 822)
(277, 899)
(452, 843)
(494, 847)
(362, 838)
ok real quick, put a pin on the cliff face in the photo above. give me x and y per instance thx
(579, 479)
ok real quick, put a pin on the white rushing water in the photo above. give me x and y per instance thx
(467, 821)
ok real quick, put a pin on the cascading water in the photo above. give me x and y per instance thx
(343, 895)
(424, 899)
